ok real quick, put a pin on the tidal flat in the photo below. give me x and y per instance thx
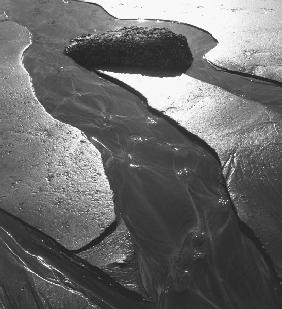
(171, 160)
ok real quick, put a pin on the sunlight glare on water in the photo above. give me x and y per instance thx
(157, 90)
(239, 26)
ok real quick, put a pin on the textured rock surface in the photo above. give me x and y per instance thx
(152, 49)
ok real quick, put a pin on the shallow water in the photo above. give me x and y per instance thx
(167, 182)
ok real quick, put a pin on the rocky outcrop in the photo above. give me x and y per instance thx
(135, 49)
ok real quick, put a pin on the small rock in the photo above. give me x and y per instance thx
(133, 49)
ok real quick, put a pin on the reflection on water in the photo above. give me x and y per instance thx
(167, 182)
(234, 23)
